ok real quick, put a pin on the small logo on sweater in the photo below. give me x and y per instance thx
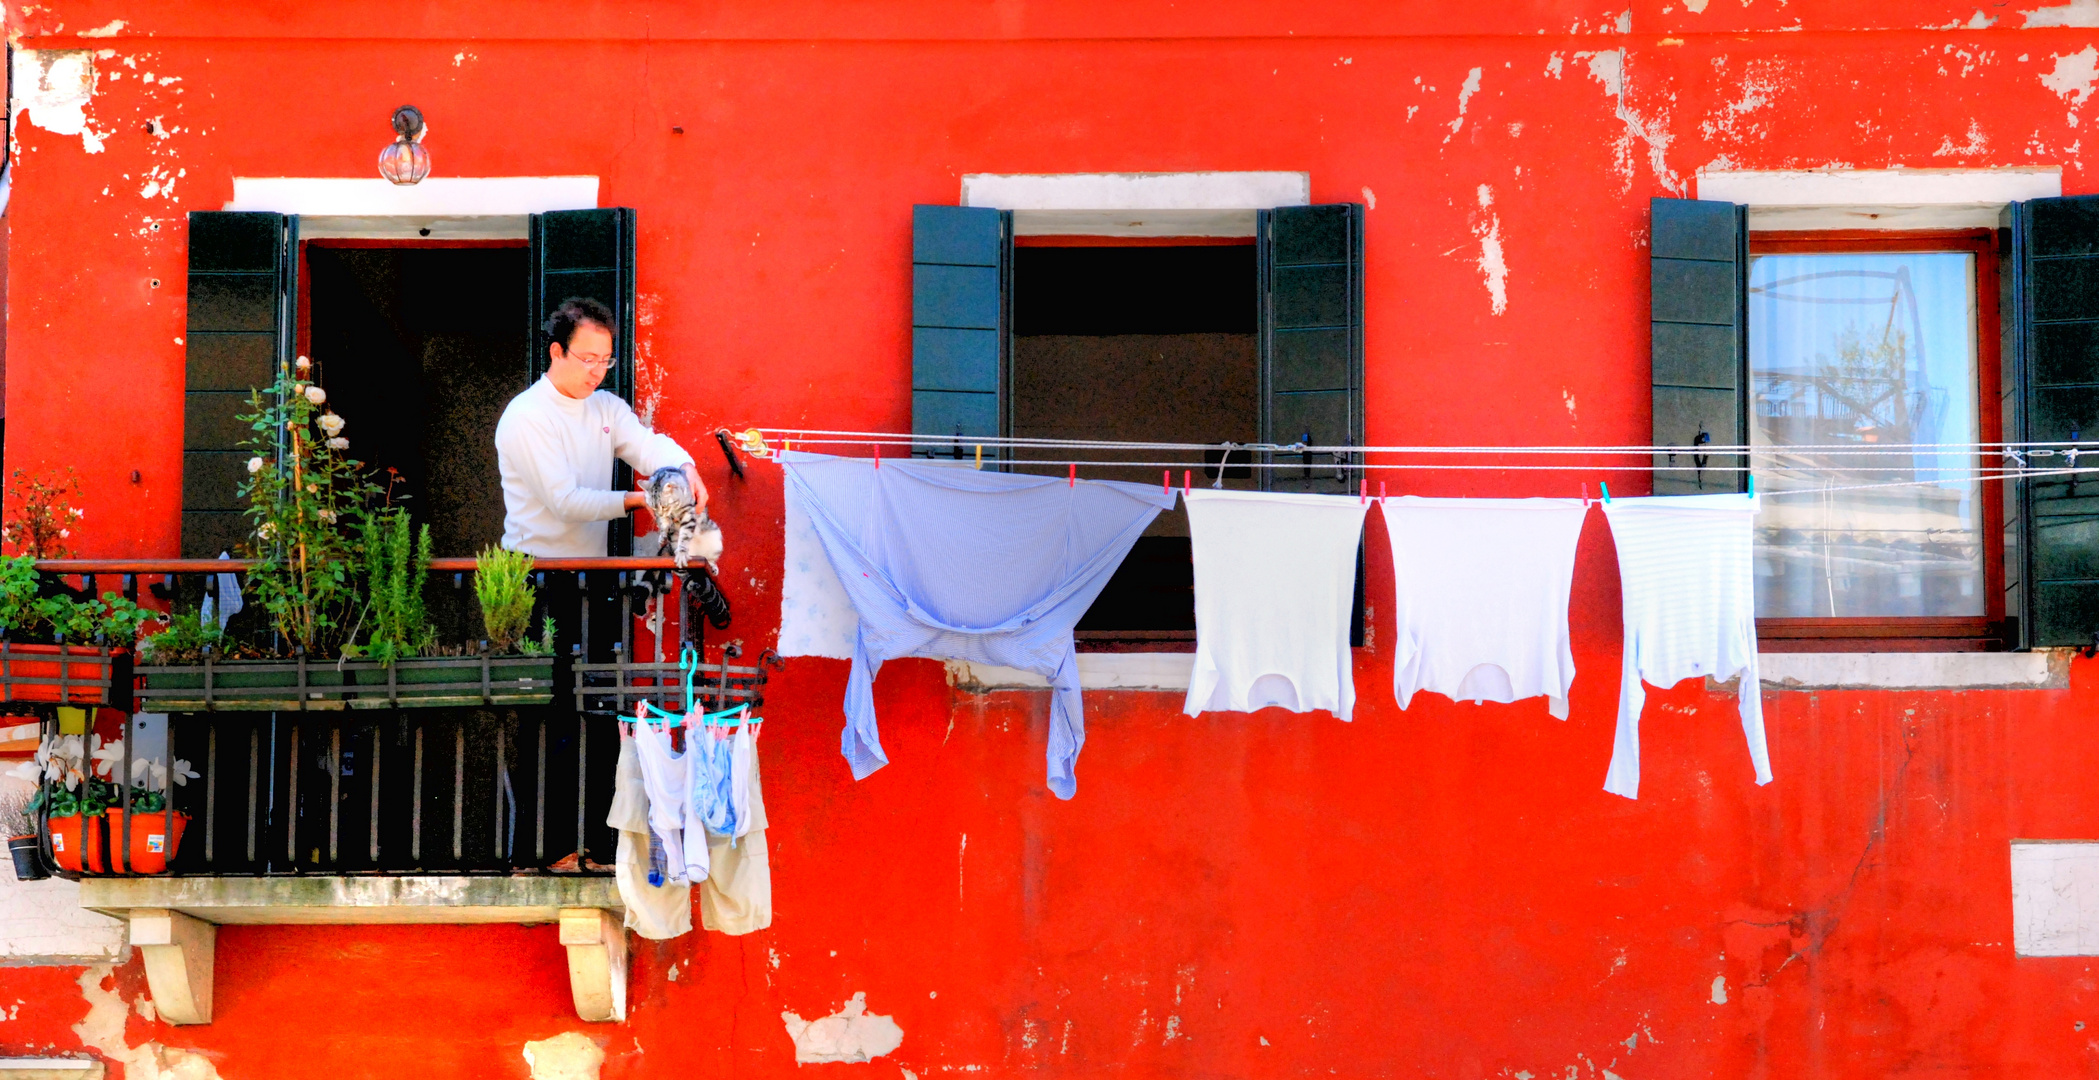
(606, 430)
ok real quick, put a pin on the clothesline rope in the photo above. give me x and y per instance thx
(829, 437)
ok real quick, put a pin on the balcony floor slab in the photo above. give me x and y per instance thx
(290, 901)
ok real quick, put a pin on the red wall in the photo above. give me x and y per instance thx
(1443, 892)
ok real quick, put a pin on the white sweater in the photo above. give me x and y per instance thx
(556, 455)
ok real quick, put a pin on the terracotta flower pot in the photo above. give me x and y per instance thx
(152, 845)
(77, 844)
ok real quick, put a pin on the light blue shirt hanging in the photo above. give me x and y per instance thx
(954, 563)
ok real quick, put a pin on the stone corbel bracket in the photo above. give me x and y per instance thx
(597, 962)
(178, 952)
(174, 923)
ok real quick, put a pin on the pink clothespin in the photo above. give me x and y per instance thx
(1185, 485)
(1166, 481)
(1585, 494)
(878, 455)
(1363, 494)
(1381, 491)
(1073, 475)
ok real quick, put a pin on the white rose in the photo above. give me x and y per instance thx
(331, 423)
(327, 516)
(302, 364)
(338, 443)
(316, 395)
(254, 465)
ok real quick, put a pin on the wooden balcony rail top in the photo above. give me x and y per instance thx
(236, 566)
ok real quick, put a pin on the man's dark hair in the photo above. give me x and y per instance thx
(576, 311)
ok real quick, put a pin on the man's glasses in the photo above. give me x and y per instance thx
(590, 361)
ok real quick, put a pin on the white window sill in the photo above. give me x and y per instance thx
(2041, 670)
(23, 1068)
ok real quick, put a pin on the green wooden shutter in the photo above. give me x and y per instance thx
(961, 278)
(1310, 261)
(1699, 278)
(587, 253)
(2056, 368)
(243, 281)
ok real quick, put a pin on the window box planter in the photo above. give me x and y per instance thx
(155, 838)
(78, 843)
(301, 685)
(65, 674)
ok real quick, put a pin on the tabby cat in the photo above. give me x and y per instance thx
(683, 529)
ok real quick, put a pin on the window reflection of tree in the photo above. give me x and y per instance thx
(1900, 551)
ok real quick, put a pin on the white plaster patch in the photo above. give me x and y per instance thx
(1369, 199)
(2074, 13)
(2073, 75)
(1465, 92)
(53, 86)
(1719, 989)
(852, 1034)
(1493, 267)
(102, 1029)
(109, 29)
(570, 1055)
(2055, 898)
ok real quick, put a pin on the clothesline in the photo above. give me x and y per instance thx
(829, 437)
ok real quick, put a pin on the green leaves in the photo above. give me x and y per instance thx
(311, 504)
(502, 582)
(395, 570)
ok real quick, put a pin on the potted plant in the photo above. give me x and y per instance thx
(71, 801)
(155, 834)
(57, 645)
(18, 824)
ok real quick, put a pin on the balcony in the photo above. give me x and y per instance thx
(319, 791)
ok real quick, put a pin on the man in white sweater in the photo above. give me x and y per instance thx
(556, 442)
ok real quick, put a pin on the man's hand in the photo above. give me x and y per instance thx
(699, 490)
(637, 501)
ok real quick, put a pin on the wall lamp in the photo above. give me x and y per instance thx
(404, 161)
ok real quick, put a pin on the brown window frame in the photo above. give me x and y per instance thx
(1983, 633)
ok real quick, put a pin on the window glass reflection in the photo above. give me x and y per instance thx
(1862, 351)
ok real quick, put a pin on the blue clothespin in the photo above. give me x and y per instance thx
(1606, 490)
(1752, 485)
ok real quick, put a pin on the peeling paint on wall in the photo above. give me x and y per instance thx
(1494, 268)
(851, 1034)
(53, 86)
(2074, 13)
(102, 1030)
(1465, 92)
(570, 1055)
(2073, 75)
(1608, 69)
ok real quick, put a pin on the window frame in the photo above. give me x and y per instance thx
(1968, 633)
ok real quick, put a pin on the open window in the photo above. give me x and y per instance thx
(420, 345)
(1217, 341)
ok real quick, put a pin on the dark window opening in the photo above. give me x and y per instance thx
(1152, 344)
(419, 349)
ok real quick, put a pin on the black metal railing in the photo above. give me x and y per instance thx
(365, 779)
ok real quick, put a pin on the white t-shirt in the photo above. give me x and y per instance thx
(1480, 591)
(1275, 579)
(555, 453)
(1687, 568)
